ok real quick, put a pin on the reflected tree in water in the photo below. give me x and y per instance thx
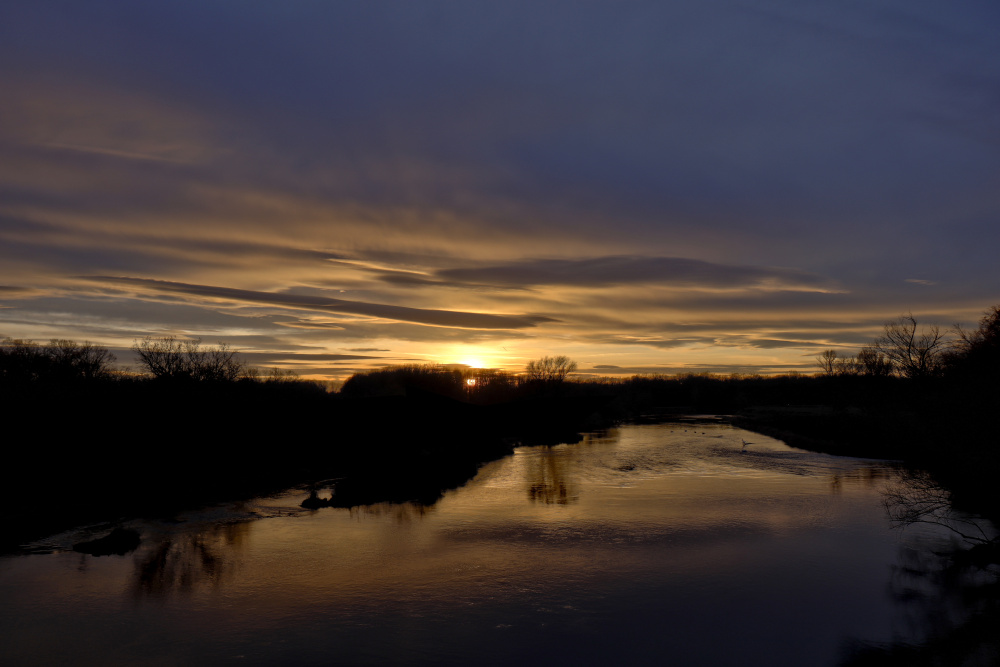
(400, 512)
(864, 477)
(182, 563)
(951, 596)
(550, 480)
(917, 499)
(949, 599)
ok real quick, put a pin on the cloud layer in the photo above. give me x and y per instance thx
(723, 185)
(440, 318)
(624, 270)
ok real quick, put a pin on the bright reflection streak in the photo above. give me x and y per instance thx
(543, 550)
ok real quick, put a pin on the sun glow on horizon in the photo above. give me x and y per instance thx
(471, 356)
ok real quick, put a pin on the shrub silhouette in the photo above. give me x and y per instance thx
(172, 359)
(913, 353)
(58, 361)
(549, 369)
(401, 380)
(977, 352)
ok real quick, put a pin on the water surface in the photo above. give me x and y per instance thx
(647, 544)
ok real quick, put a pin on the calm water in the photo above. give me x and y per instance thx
(648, 544)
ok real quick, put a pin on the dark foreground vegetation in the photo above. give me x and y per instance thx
(87, 442)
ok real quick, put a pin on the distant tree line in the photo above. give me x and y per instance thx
(166, 359)
(56, 361)
(905, 349)
(907, 365)
(172, 359)
(189, 424)
(477, 385)
(192, 421)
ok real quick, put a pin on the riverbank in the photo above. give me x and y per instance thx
(622, 548)
(123, 449)
(170, 450)
(958, 450)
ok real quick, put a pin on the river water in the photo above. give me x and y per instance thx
(646, 544)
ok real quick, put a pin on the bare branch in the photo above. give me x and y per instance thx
(550, 369)
(918, 499)
(912, 352)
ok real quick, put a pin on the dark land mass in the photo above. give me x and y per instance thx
(110, 450)
(85, 446)
(102, 450)
(85, 443)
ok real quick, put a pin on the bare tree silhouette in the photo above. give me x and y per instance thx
(872, 361)
(170, 358)
(827, 360)
(59, 360)
(913, 352)
(550, 369)
(917, 498)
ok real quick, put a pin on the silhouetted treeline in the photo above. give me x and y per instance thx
(24, 362)
(916, 393)
(198, 424)
(85, 440)
(201, 424)
(481, 386)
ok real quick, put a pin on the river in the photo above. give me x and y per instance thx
(645, 544)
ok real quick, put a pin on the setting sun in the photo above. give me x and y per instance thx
(511, 298)
(468, 355)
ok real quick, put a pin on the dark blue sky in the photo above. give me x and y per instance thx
(717, 185)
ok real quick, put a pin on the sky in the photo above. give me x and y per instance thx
(647, 187)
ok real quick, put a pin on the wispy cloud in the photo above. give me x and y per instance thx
(111, 152)
(647, 185)
(15, 291)
(620, 270)
(439, 318)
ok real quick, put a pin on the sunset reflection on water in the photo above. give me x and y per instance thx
(632, 544)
